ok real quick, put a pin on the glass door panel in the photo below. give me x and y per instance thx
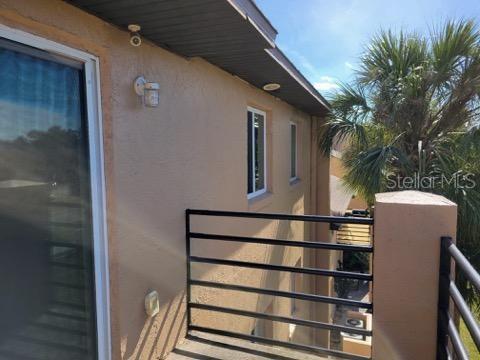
(47, 300)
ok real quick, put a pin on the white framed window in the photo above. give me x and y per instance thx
(293, 152)
(257, 152)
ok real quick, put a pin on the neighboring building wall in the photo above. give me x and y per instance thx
(190, 152)
(336, 166)
(340, 194)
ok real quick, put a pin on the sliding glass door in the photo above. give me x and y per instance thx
(47, 290)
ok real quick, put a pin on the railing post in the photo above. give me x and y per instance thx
(407, 231)
(189, 273)
(443, 298)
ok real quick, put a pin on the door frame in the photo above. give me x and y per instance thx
(97, 174)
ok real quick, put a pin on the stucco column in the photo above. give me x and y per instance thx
(407, 231)
(320, 205)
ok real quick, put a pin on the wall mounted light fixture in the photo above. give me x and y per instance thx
(148, 91)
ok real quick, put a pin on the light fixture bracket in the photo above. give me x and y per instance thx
(139, 85)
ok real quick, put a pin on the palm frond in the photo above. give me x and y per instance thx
(392, 56)
(350, 110)
(451, 44)
(415, 107)
(368, 169)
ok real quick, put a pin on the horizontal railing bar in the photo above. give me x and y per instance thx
(272, 216)
(259, 339)
(470, 273)
(284, 319)
(302, 244)
(466, 314)
(288, 294)
(310, 271)
(448, 352)
(457, 344)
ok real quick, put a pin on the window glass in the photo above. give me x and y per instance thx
(47, 299)
(250, 152)
(259, 126)
(293, 151)
(256, 152)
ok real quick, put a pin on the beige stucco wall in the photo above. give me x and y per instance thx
(190, 152)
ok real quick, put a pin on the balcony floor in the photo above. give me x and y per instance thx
(201, 346)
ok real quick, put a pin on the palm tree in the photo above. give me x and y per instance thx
(413, 109)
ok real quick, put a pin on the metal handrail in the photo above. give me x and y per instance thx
(281, 293)
(462, 262)
(272, 292)
(447, 289)
(273, 216)
(303, 270)
(457, 343)
(284, 319)
(279, 242)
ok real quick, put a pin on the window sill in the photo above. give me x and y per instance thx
(259, 201)
(295, 181)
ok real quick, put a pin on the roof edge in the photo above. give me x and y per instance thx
(250, 10)
(289, 67)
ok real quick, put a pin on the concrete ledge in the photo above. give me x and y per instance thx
(212, 347)
(412, 197)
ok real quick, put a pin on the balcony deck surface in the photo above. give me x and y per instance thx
(201, 346)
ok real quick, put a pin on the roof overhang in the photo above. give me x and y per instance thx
(231, 34)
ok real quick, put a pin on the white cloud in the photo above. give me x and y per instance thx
(326, 83)
(328, 79)
(308, 69)
(349, 65)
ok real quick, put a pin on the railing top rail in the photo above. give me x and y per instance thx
(276, 216)
(470, 273)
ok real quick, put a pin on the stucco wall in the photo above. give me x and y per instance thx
(190, 152)
(337, 169)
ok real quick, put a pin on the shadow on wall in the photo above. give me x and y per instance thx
(158, 262)
(250, 277)
(273, 279)
(161, 331)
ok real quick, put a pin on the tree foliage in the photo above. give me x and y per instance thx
(413, 111)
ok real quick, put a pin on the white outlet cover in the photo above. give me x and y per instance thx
(152, 305)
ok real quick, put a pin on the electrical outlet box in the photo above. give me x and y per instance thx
(152, 306)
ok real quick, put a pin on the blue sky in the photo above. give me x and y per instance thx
(323, 38)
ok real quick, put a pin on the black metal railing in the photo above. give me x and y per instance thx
(272, 292)
(448, 335)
